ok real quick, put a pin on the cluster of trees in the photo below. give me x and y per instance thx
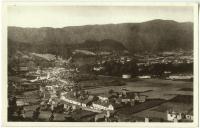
(117, 69)
(113, 68)
(159, 69)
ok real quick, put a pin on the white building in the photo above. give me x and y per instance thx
(103, 98)
(103, 107)
(180, 77)
(49, 88)
(126, 76)
(144, 77)
(98, 68)
(97, 106)
(189, 117)
(146, 119)
(70, 101)
(174, 116)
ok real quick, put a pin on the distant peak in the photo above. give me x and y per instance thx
(161, 20)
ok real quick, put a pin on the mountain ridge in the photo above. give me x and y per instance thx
(154, 35)
(106, 24)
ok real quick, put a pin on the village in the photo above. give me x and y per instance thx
(57, 91)
(145, 66)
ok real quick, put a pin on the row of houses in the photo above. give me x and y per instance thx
(85, 103)
(107, 103)
(180, 77)
(178, 116)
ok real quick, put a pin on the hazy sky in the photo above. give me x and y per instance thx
(57, 16)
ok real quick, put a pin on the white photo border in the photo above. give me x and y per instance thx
(95, 124)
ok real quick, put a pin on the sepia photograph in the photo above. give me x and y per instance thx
(101, 63)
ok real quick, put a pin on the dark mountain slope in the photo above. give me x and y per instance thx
(156, 35)
(97, 46)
